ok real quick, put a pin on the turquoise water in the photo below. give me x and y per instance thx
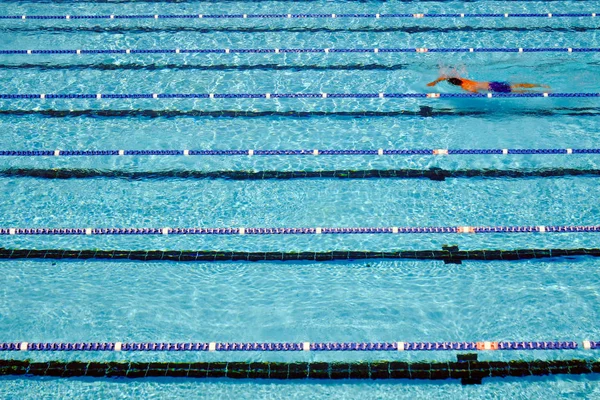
(161, 388)
(341, 301)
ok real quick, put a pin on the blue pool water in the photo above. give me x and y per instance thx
(70, 301)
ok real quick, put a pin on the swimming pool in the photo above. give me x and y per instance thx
(129, 286)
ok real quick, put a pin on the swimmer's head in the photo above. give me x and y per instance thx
(455, 81)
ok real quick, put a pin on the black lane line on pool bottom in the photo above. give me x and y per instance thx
(203, 67)
(448, 254)
(467, 368)
(424, 111)
(435, 174)
(293, 29)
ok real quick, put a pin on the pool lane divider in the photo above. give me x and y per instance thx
(68, 17)
(241, 231)
(107, 96)
(466, 368)
(448, 254)
(298, 346)
(434, 174)
(295, 152)
(373, 50)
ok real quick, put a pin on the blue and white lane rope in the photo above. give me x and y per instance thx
(298, 346)
(301, 16)
(300, 231)
(292, 152)
(374, 50)
(100, 96)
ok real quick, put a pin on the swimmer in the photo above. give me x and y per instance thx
(496, 87)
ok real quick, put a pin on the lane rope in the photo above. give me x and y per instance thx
(300, 231)
(381, 95)
(298, 346)
(294, 152)
(374, 50)
(68, 17)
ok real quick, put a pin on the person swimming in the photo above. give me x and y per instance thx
(495, 87)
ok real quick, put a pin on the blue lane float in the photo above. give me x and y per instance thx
(307, 50)
(297, 346)
(380, 95)
(303, 231)
(298, 16)
(295, 152)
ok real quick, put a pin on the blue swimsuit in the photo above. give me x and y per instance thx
(500, 87)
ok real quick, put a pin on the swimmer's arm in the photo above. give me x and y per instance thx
(438, 80)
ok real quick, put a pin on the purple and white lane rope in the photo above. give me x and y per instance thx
(99, 96)
(374, 50)
(301, 231)
(299, 16)
(294, 152)
(297, 346)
